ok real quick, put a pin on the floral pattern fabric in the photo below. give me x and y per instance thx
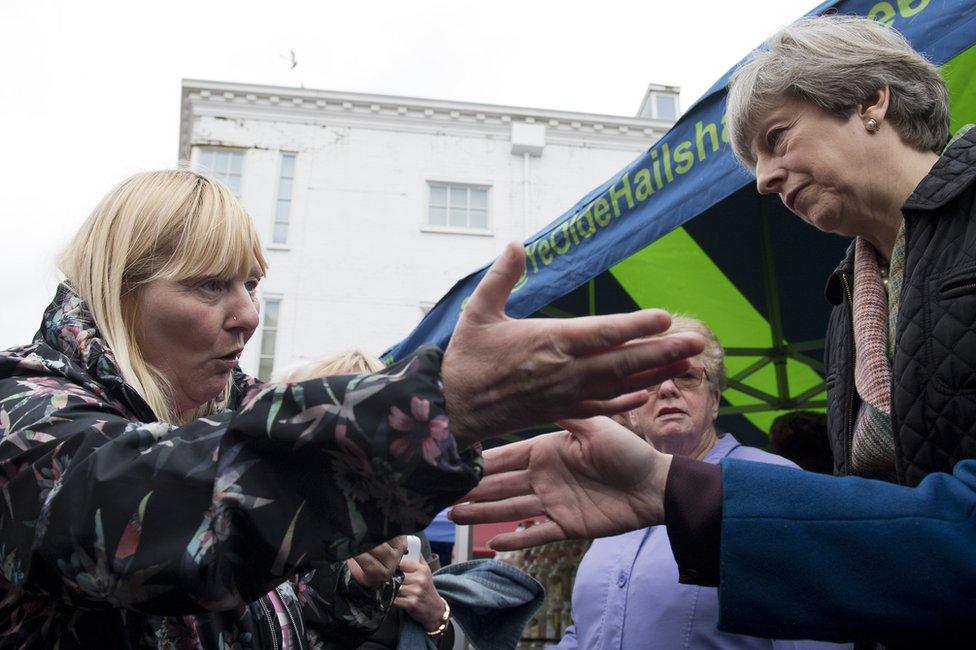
(117, 530)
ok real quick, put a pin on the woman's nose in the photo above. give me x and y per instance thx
(242, 312)
(667, 388)
(769, 176)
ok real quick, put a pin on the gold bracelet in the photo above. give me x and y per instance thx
(445, 619)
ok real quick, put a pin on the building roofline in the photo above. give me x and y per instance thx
(303, 99)
(337, 95)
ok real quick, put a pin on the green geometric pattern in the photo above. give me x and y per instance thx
(674, 273)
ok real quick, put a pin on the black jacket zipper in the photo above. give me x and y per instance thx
(272, 623)
(298, 632)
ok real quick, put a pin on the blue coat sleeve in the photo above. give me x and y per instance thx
(811, 556)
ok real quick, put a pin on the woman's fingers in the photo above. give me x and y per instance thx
(592, 334)
(536, 535)
(622, 404)
(638, 384)
(643, 380)
(508, 458)
(376, 565)
(649, 357)
(492, 292)
(501, 486)
(389, 553)
(632, 367)
(510, 509)
(594, 428)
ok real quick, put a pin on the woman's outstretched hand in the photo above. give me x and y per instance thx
(502, 375)
(593, 480)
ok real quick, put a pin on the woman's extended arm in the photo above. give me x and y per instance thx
(104, 511)
(794, 554)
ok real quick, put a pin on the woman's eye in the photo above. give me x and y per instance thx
(773, 138)
(252, 285)
(212, 286)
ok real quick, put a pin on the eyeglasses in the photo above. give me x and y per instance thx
(689, 380)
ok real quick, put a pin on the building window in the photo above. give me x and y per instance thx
(223, 164)
(283, 205)
(268, 335)
(660, 103)
(666, 107)
(458, 206)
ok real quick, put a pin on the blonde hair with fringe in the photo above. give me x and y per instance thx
(346, 363)
(168, 224)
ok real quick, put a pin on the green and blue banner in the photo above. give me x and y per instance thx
(683, 228)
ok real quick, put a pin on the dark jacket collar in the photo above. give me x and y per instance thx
(952, 173)
(68, 327)
(834, 291)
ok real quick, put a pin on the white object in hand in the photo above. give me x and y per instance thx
(413, 548)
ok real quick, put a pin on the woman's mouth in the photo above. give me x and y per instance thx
(790, 199)
(230, 359)
(670, 410)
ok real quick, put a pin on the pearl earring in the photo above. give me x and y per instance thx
(872, 125)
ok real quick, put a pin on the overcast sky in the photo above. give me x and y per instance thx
(90, 91)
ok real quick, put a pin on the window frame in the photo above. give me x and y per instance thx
(427, 226)
(277, 200)
(262, 354)
(201, 150)
(673, 97)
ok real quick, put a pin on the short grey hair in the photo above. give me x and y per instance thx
(836, 63)
(713, 356)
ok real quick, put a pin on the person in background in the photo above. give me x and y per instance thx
(155, 495)
(441, 534)
(627, 593)
(417, 597)
(801, 436)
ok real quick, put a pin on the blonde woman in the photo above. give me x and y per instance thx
(418, 597)
(154, 496)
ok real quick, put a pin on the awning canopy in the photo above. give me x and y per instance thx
(683, 228)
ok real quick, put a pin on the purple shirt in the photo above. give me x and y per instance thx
(627, 593)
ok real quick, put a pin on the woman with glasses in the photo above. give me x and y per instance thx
(627, 593)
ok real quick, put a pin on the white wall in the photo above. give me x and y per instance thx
(358, 264)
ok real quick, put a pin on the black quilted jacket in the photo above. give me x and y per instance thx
(934, 370)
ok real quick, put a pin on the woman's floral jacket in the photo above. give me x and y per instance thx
(118, 531)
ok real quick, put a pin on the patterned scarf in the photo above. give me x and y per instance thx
(875, 314)
(873, 447)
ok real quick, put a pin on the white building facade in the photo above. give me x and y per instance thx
(370, 207)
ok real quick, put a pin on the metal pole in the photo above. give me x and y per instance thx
(772, 306)
(463, 543)
(463, 550)
(525, 194)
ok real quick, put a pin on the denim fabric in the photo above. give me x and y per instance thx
(490, 600)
